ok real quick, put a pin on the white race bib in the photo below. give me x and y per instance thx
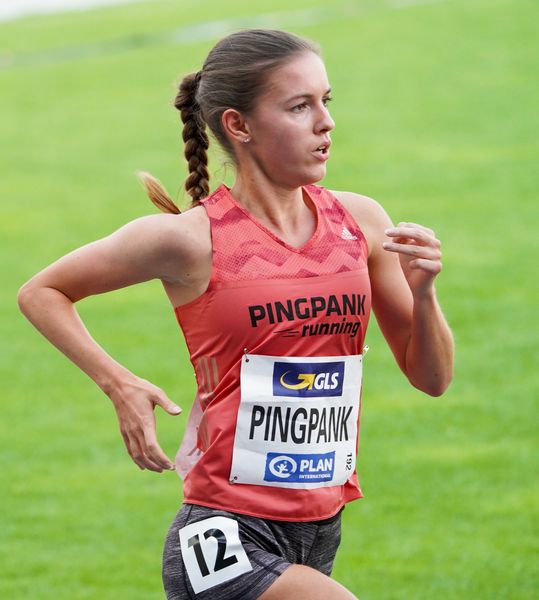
(212, 552)
(297, 421)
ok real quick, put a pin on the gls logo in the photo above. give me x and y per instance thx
(308, 380)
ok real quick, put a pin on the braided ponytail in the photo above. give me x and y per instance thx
(196, 144)
(195, 137)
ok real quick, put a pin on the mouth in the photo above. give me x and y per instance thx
(322, 152)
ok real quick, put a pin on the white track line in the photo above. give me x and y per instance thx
(399, 4)
(17, 9)
(199, 32)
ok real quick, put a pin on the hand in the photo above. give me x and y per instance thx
(419, 254)
(134, 401)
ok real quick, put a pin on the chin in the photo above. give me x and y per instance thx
(314, 177)
(309, 177)
(294, 178)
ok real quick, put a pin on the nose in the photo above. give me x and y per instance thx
(325, 122)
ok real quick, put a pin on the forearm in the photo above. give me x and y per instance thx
(429, 353)
(54, 315)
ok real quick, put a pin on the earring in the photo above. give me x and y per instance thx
(247, 140)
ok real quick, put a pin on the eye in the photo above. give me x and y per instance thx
(327, 100)
(299, 107)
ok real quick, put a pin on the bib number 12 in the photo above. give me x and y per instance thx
(220, 562)
(212, 552)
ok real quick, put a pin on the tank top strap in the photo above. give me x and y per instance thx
(336, 216)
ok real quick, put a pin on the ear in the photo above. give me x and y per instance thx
(235, 125)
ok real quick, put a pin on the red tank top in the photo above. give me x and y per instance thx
(276, 343)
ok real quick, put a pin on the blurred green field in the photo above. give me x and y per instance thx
(436, 112)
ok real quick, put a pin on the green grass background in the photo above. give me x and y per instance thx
(436, 112)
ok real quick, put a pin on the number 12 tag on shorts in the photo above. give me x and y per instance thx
(212, 552)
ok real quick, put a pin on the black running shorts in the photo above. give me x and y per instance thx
(212, 554)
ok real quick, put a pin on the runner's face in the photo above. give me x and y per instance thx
(291, 121)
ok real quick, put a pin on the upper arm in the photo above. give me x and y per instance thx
(392, 301)
(156, 246)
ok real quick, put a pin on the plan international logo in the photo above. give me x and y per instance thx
(308, 380)
(299, 468)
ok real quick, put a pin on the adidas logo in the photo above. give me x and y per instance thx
(346, 235)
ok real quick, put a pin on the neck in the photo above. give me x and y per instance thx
(285, 211)
(281, 207)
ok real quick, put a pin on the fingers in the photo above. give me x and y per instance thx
(413, 240)
(132, 453)
(414, 233)
(144, 455)
(152, 448)
(168, 405)
(432, 266)
(419, 253)
(427, 252)
(416, 226)
(154, 452)
(142, 446)
(147, 455)
(134, 403)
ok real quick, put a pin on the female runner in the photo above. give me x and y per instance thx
(272, 282)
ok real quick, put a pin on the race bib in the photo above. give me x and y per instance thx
(212, 552)
(297, 421)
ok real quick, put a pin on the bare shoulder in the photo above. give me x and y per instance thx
(173, 248)
(362, 207)
(176, 240)
(368, 213)
(188, 230)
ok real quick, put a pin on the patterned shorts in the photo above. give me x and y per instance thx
(212, 554)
